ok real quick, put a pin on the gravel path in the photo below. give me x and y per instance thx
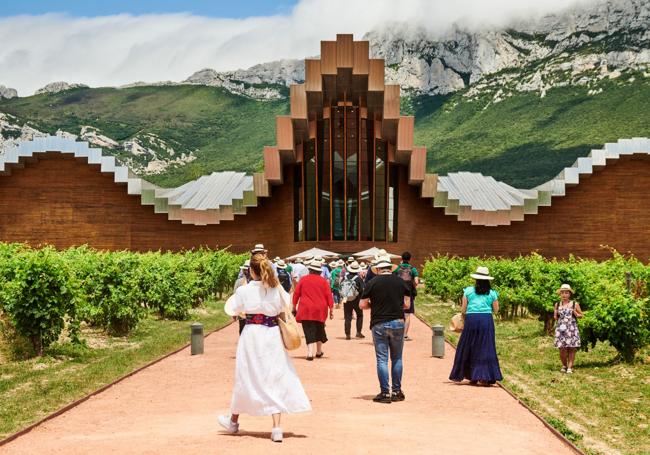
(171, 408)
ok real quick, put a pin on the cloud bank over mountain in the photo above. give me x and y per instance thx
(120, 49)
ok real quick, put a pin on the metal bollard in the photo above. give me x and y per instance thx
(197, 338)
(438, 341)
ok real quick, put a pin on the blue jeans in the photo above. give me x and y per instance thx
(389, 337)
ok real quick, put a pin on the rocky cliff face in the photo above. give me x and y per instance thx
(577, 46)
(6, 92)
(595, 41)
(264, 81)
(55, 87)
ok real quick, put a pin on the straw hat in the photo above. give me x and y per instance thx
(315, 265)
(276, 259)
(298, 261)
(566, 287)
(350, 260)
(247, 265)
(482, 273)
(281, 264)
(364, 266)
(341, 263)
(354, 267)
(333, 265)
(383, 262)
(258, 248)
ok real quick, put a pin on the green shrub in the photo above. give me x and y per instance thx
(38, 294)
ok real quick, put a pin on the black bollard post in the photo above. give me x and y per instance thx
(196, 338)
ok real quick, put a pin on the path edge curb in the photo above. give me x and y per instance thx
(76, 403)
(553, 430)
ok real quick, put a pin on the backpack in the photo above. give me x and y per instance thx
(349, 289)
(405, 273)
(285, 279)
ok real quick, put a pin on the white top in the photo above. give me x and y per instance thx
(254, 298)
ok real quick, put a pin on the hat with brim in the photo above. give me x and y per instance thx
(298, 261)
(333, 264)
(382, 263)
(258, 248)
(316, 266)
(482, 273)
(354, 267)
(281, 264)
(566, 287)
(247, 265)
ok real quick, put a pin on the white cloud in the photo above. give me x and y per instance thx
(115, 50)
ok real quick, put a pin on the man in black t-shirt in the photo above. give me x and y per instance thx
(387, 296)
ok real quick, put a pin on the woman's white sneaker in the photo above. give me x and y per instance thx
(276, 434)
(229, 425)
(569, 371)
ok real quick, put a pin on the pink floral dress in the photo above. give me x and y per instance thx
(566, 329)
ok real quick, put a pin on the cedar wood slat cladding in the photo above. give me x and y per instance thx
(64, 202)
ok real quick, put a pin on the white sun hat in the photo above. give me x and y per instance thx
(258, 248)
(566, 287)
(482, 273)
(354, 267)
(383, 262)
(315, 265)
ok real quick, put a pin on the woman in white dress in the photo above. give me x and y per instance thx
(266, 382)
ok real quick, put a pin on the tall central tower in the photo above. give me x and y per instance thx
(345, 140)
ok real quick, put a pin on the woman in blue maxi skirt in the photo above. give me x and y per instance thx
(476, 354)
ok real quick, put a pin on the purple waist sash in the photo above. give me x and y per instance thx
(262, 319)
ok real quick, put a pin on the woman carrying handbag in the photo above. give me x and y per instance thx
(266, 382)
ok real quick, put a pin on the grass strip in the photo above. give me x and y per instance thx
(32, 389)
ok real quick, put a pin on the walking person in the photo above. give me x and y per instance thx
(567, 336)
(387, 296)
(336, 276)
(476, 354)
(266, 382)
(283, 275)
(312, 300)
(409, 274)
(351, 289)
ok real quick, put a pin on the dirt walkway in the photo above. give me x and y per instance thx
(171, 408)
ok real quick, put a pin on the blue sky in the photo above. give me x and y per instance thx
(235, 9)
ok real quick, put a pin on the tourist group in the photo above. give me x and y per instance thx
(272, 296)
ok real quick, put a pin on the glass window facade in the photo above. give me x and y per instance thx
(346, 189)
